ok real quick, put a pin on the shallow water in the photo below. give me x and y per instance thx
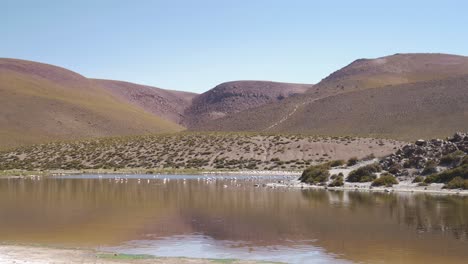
(229, 218)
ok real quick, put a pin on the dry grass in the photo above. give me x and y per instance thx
(419, 100)
(40, 102)
(223, 151)
(166, 104)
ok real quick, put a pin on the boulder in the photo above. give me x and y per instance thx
(413, 157)
(420, 142)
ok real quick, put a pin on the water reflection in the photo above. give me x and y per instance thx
(358, 226)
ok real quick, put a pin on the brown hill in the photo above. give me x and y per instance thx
(418, 99)
(41, 102)
(408, 111)
(167, 104)
(392, 70)
(233, 97)
(413, 95)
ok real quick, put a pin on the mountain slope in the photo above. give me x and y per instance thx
(408, 111)
(40, 102)
(392, 70)
(167, 104)
(233, 97)
(414, 95)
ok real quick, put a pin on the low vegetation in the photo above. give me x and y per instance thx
(316, 174)
(337, 163)
(337, 180)
(188, 151)
(448, 175)
(365, 173)
(385, 179)
(352, 161)
(457, 183)
(464, 160)
(430, 167)
(418, 179)
(395, 168)
(452, 159)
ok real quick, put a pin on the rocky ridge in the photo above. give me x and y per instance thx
(413, 159)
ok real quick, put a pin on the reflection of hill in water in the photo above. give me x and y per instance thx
(357, 224)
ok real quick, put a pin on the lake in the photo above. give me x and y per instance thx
(228, 217)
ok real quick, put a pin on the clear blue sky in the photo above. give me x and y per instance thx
(194, 45)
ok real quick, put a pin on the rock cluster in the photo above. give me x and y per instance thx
(412, 158)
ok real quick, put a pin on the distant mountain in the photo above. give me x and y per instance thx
(41, 102)
(167, 104)
(392, 70)
(233, 97)
(404, 96)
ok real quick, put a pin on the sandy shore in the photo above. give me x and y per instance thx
(43, 255)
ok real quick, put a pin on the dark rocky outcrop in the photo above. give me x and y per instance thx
(413, 158)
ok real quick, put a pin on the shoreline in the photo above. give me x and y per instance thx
(32, 254)
(435, 189)
(23, 173)
(402, 187)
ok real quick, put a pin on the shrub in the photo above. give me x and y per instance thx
(364, 174)
(316, 174)
(395, 168)
(452, 159)
(407, 164)
(418, 179)
(337, 181)
(334, 176)
(386, 179)
(336, 163)
(429, 168)
(352, 161)
(457, 183)
(464, 160)
(448, 175)
(369, 157)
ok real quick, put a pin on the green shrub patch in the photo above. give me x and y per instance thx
(365, 173)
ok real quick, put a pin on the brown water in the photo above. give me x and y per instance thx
(232, 219)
